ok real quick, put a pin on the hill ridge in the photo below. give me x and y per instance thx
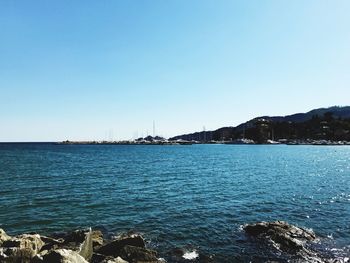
(297, 122)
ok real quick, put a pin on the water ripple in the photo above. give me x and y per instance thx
(189, 197)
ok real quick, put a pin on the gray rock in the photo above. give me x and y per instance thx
(51, 243)
(99, 258)
(115, 247)
(290, 239)
(285, 236)
(75, 247)
(79, 241)
(3, 236)
(63, 256)
(116, 260)
(97, 238)
(21, 249)
(139, 254)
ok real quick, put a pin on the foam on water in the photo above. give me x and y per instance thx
(190, 255)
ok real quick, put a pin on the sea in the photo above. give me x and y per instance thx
(190, 198)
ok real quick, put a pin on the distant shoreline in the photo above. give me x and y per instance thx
(169, 143)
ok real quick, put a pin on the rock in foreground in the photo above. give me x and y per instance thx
(81, 246)
(115, 247)
(287, 238)
(21, 248)
(63, 256)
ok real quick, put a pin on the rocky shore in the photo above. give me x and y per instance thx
(294, 241)
(82, 246)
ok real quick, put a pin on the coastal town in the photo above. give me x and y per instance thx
(324, 126)
(163, 141)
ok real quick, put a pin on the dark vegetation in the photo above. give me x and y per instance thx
(320, 124)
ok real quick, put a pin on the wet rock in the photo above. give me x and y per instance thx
(21, 248)
(99, 258)
(284, 236)
(51, 243)
(138, 254)
(63, 256)
(289, 239)
(205, 259)
(115, 247)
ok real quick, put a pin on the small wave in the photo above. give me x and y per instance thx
(241, 228)
(190, 255)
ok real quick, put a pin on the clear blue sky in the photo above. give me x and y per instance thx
(93, 69)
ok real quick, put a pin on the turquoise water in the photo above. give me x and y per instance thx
(189, 197)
